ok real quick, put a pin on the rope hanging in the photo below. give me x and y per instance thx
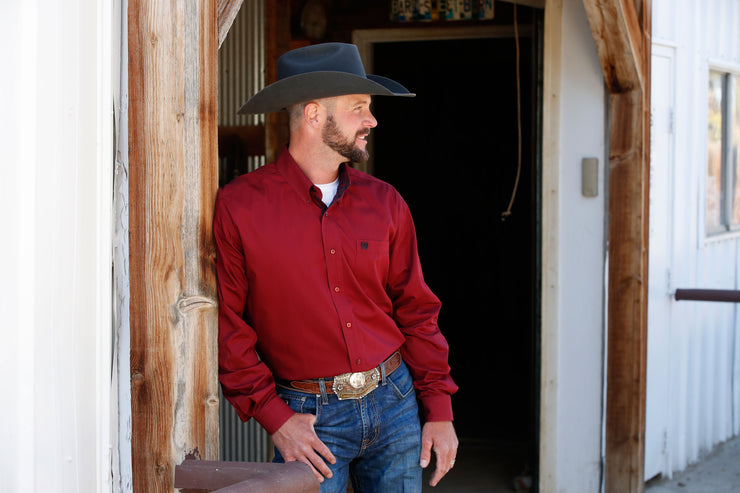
(507, 213)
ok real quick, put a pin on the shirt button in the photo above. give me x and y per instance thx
(332, 251)
(349, 325)
(358, 361)
(336, 289)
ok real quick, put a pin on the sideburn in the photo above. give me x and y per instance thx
(332, 137)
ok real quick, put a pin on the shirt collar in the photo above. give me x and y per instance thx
(299, 181)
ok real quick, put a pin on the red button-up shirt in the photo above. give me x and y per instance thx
(307, 291)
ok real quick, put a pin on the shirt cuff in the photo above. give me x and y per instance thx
(273, 414)
(437, 407)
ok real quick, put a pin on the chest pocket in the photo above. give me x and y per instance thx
(371, 260)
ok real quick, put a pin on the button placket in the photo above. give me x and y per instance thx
(333, 236)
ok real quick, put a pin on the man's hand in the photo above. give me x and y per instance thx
(297, 441)
(439, 436)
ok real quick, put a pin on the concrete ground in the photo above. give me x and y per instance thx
(482, 469)
(718, 472)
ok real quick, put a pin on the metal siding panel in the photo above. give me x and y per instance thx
(704, 373)
(658, 408)
(714, 334)
(242, 73)
(240, 441)
(720, 21)
(241, 64)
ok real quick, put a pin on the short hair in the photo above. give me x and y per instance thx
(295, 111)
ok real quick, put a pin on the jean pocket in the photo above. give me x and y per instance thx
(401, 382)
(299, 402)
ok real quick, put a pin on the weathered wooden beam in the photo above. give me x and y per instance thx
(621, 30)
(627, 305)
(173, 181)
(246, 477)
(227, 10)
(618, 35)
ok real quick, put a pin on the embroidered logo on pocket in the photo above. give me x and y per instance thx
(364, 245)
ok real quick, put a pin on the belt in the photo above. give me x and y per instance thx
(347, 385)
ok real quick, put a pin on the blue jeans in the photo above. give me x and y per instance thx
(376, 440)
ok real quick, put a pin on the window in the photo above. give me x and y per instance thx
(723, 156)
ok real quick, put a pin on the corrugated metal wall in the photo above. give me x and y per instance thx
(244, 442)
(241, 60)
(693, 400)
(241, 64)
(241, 68)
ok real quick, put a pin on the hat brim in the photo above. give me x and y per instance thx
(315, 85)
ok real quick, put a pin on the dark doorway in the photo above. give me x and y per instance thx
(452, 152)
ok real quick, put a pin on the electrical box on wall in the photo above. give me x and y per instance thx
(590, 177)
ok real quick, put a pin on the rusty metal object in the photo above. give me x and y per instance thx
(245, 477)
(726, 295)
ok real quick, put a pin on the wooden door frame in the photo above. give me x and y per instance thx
(173, 152)
(173, 178)
(173, 182)
(622, 33)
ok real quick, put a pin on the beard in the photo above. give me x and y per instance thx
(347, 148)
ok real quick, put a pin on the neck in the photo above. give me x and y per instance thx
(319, 163)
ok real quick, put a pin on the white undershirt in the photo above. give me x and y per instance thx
(328, 191)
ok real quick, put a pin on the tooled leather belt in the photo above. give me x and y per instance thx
(347, 385)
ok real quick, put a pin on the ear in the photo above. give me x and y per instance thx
(312, 114)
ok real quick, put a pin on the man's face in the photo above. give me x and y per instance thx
(347, 127)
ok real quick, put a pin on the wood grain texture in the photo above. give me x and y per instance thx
(227, 10)
(627, 287)
(621, 31)
(618, 36)
(173, 181)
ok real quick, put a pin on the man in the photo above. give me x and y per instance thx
(327, 331)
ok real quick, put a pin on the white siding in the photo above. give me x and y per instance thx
(55, 286)
(659, 307)
(693, 400)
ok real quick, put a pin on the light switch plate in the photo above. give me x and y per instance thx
(590, 177)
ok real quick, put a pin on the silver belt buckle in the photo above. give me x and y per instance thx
(355, 385)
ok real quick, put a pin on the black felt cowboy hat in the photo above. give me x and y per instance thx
(319, 71)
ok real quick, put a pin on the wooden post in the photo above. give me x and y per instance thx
(627, 308)
(173, 180)
(621, 30)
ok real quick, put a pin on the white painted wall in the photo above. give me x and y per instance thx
(693, 395)
(573, 255)
(55, 279)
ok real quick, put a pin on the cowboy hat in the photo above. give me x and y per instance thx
(319, 71)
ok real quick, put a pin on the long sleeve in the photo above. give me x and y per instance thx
(246, 381)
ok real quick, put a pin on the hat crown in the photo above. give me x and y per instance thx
(326, 57)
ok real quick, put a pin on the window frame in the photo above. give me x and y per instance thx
(728, 174)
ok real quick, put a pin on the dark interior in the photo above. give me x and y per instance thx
(452, 152)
